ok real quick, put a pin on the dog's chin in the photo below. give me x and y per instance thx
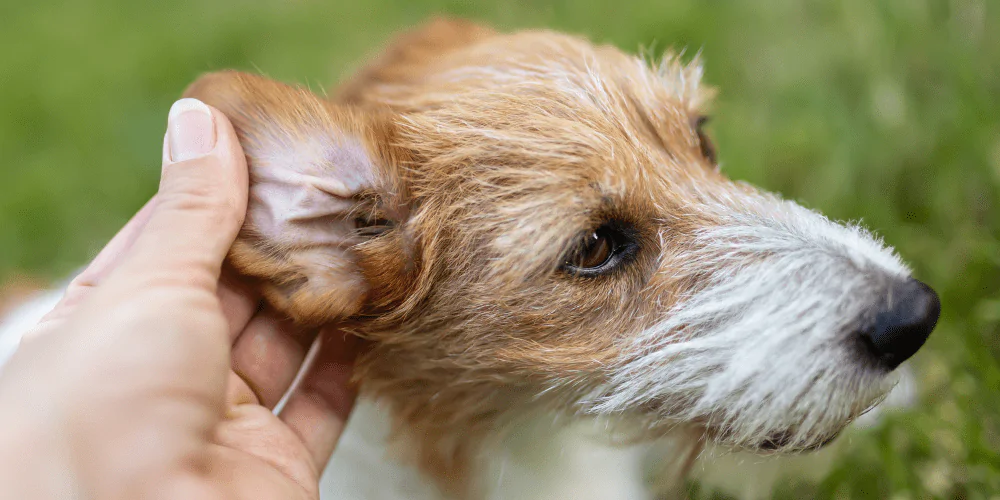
(779, 442)
(782, 443)
(776, 443)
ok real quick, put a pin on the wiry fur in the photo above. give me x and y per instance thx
(757, 353)
(490, 156)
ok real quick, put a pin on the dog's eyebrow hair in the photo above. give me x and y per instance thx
(648, 124)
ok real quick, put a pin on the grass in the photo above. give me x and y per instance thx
(885, 111)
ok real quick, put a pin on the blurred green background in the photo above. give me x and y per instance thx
(881, 111)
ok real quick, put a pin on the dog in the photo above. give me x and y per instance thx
(534, 235)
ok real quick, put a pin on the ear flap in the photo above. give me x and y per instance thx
(322, 181)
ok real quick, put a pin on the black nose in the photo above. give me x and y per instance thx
(903, 323)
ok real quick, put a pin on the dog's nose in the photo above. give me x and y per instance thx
(903, 324)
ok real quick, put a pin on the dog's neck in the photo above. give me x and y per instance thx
(575, 456)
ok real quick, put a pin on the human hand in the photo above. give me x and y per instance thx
(154, 377)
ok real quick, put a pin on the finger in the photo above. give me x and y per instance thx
(102, 265)
(268, 355)
(201, 201)
(239, 302)
(318, 409)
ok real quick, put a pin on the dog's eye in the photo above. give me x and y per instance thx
(707, 148)
(598, 252)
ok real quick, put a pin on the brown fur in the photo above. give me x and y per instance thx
(492, 155)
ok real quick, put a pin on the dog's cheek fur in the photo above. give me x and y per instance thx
(467, 354)
(456, 377)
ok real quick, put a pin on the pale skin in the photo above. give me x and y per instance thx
(156, 375)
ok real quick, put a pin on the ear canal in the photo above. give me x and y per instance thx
(315, 168)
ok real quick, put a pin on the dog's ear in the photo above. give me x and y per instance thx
(323, 185)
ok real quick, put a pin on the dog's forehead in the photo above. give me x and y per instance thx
(553, 113)
(524, 142)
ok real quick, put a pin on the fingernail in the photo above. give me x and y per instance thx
(190, 130)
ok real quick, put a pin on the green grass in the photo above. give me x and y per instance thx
(882, 111)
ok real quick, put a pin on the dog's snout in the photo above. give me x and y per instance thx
(903, 322)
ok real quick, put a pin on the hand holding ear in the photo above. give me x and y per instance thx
(156, 375)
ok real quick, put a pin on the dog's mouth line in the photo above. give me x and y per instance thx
(776, 443)
(781, 443)
(786, 441)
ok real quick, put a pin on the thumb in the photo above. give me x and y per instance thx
(201, 202)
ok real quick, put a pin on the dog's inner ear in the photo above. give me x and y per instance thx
(321, 183)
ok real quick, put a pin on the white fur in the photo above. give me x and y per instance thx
(764, 348)
(540, 460)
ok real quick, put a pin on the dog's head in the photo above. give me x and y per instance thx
(530, 219)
